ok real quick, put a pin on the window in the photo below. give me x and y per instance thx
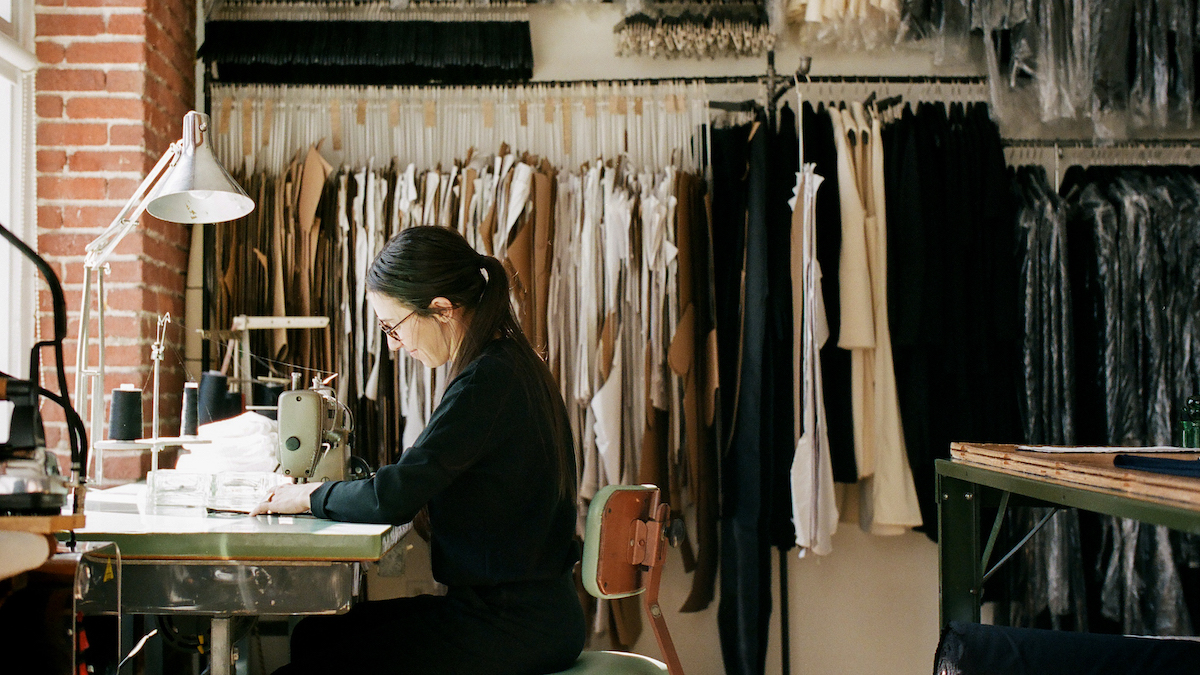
(18, 279)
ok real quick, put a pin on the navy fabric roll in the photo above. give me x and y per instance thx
(189, 415)
(976, 649)
(214, 388)
(1189, 468)
(125, 415)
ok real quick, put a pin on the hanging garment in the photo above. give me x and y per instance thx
(1046, 577)
(1140, 220)
(886, 499)
(779, 421)
(857, 331)
(814, 505)
(820, 150)
(889, 504)
(740, 239)
(953, 300)
(368, 52)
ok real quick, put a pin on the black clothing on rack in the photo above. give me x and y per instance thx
(368, 52)
(740, 188)
(778, 436)
(952, 298)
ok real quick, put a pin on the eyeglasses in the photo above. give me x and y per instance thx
(390, 331)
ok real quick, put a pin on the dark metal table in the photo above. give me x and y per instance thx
(964, 488)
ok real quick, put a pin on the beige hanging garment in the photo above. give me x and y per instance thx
(857, 331)
(889, 504)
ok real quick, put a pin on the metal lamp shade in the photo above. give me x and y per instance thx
(197, 189)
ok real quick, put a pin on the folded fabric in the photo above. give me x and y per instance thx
(1189, 468)
(977, 649)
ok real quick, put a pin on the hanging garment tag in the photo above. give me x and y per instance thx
(335, 123)
(566, 115)
(226, 111)
(268, 121)
(548, 111)
(489, 114)
(394, 113)
(430, 114)
(361, 112)
(618, 105)
(589, 108)
(523, 109)
(247, 127)
(637, 105)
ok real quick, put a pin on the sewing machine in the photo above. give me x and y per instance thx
(314, 433)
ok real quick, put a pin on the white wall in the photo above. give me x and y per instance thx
(872, 605)
(869, 607)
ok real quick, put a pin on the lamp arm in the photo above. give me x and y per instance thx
(103, 246)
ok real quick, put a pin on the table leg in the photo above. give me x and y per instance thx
(222, 646)
(958, 549)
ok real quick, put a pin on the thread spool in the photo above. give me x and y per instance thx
(191, 409)
(212, 394)
(125, 414)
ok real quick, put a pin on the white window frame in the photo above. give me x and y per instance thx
(18, 277)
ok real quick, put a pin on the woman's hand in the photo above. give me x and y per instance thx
(287, 498)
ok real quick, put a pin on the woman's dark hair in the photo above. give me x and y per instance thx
(426, 262)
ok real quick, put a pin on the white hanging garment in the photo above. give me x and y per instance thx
(814, 505)
(377, 229)
(362, 251)
(346, 308)
(607, 409)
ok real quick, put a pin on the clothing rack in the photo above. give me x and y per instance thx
(652, 125)
(404, 10)
(1055, 154)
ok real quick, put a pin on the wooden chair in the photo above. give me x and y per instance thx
(624, 549)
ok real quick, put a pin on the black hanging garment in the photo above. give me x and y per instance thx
(819, 149)
(952, 297)
(740, 261)
(778, 427)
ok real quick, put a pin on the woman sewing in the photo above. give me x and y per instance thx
(495, 468)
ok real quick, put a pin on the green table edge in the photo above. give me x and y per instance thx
(1109, 502)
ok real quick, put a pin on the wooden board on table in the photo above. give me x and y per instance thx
(42, 524)
(1089, 470)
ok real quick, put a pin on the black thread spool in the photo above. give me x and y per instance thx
(191, 409)
(125, 414)
(212, 394)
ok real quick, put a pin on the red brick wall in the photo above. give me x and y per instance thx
(114, 80)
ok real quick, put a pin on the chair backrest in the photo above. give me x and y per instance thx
(624, 548)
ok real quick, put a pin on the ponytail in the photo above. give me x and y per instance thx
(426, 262)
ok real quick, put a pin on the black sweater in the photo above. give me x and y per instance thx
(484, 467)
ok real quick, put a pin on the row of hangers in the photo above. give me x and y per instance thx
(261, 127)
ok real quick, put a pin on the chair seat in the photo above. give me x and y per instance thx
(614, 663)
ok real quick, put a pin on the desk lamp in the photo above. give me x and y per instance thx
(187, 185)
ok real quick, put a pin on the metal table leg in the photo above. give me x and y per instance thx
(958, 549)
(222, 646)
